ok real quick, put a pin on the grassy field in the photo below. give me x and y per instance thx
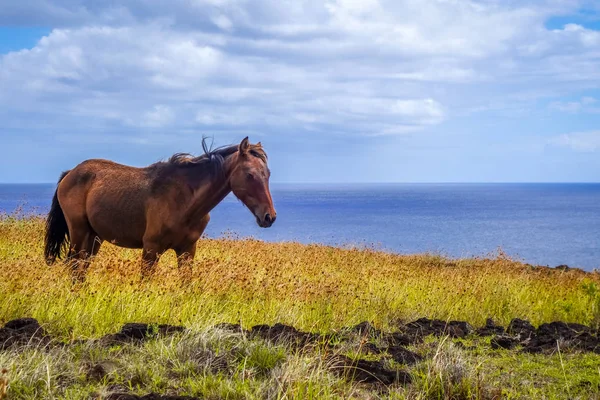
(313, 288)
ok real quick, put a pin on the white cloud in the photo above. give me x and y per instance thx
(428, 110)
(158, 117)
(354, 66)
(223, 22)
(585, 104)
(579, 141)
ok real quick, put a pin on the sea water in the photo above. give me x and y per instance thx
(543, 224)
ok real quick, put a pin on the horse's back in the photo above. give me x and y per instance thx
(103, 175)
(110, 197)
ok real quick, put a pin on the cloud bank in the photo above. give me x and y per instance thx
(147, 72)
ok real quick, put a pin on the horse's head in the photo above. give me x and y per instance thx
(250, 182)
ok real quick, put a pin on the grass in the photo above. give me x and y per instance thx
(314, 288)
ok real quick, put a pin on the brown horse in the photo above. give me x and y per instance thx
(163, 206)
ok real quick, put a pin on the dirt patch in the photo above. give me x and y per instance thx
(137, 332)
(490, 329)
(365, 371)
(550, 337)
(284, 334)
(504, 342)
(521, 328)
(21, 332)
(403, 356)
(392, 344)
(398, 339)
(425, 327)
(546, 338)
(562, 329)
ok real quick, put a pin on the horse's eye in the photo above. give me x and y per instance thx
(249, 176)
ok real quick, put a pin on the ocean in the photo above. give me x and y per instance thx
(541, 224)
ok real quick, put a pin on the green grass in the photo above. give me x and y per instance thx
(216, 364)
(314, 288)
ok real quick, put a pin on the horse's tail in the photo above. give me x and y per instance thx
(57, 231)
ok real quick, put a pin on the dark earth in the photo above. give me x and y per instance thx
(519, 334)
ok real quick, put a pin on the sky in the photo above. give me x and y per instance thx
(336, 90)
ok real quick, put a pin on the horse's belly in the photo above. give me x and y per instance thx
(124, 228)
(120, 237)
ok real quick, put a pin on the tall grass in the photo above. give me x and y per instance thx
(316, 288)
(312, 287)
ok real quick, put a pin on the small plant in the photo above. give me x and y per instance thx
(592, 291)
(261, 358)
(449, 375)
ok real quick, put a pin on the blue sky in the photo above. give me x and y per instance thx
(15, 38)
(336, 90)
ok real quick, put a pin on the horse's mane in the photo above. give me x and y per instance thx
(212, 160)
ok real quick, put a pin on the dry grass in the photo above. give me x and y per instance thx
(311, 287)
(315, 288)
(3, 384)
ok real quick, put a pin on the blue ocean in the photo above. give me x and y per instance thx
(542, 224)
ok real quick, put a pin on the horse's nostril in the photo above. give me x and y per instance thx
(268, 218)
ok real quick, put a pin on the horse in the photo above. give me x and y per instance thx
(156, 208)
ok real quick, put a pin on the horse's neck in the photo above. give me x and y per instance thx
(209, 193)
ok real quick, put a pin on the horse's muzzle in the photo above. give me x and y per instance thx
(266, 221)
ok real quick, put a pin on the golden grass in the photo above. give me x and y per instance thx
(312, 287)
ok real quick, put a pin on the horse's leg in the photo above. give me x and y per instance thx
(84, 244)
(150, 256)
(91, 248)
(187, 251)
(185, 254)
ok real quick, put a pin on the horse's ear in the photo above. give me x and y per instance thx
(259, 144)
(244, 146)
